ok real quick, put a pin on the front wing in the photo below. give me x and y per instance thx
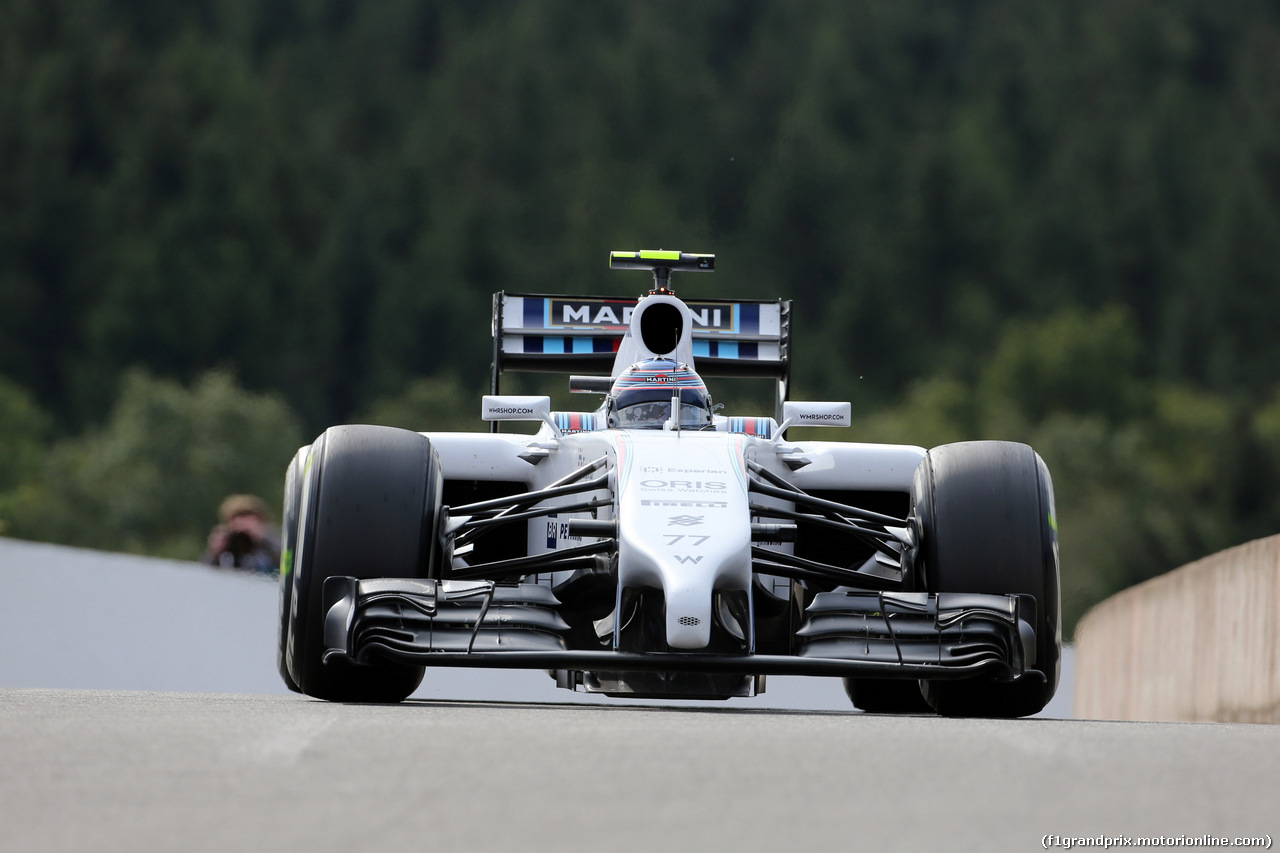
(845, 632)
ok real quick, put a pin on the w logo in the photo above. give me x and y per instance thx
(687, 560)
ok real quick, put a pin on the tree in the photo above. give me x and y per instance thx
(150, 480)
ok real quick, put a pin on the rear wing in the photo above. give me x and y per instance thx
(581, 334)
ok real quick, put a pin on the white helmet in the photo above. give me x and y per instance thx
(641, 396)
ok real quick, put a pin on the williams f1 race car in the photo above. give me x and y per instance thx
(649, 546)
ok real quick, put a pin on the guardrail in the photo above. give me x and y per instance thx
(1199, 643)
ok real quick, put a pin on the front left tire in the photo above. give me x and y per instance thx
(886, 695)
(985, 522)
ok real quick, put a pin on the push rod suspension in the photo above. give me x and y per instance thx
(779, 488)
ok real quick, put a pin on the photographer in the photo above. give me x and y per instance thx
(244, 539)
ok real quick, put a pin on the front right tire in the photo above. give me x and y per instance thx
(370, 508)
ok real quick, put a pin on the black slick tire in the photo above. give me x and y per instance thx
(886, 695)
(984, 516)
(370, 508)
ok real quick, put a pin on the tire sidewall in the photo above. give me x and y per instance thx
(293, 483)
(1049, 608)
(299, 597)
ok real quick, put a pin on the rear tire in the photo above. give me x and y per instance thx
(886, 695)
(985, 521)
(370, 508)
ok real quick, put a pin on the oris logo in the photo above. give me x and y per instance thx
(685, 485)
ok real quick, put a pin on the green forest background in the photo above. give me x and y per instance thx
(226, 224)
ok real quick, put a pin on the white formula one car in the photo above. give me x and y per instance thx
(651, 547)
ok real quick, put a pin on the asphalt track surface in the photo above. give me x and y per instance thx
(102, 770)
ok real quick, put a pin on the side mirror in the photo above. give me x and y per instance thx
(501, 408)
(816, 415)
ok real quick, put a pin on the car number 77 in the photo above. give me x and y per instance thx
(695, 541)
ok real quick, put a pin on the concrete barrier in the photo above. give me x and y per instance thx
(1200, 643)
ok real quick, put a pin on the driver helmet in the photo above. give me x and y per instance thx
(641, 396)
